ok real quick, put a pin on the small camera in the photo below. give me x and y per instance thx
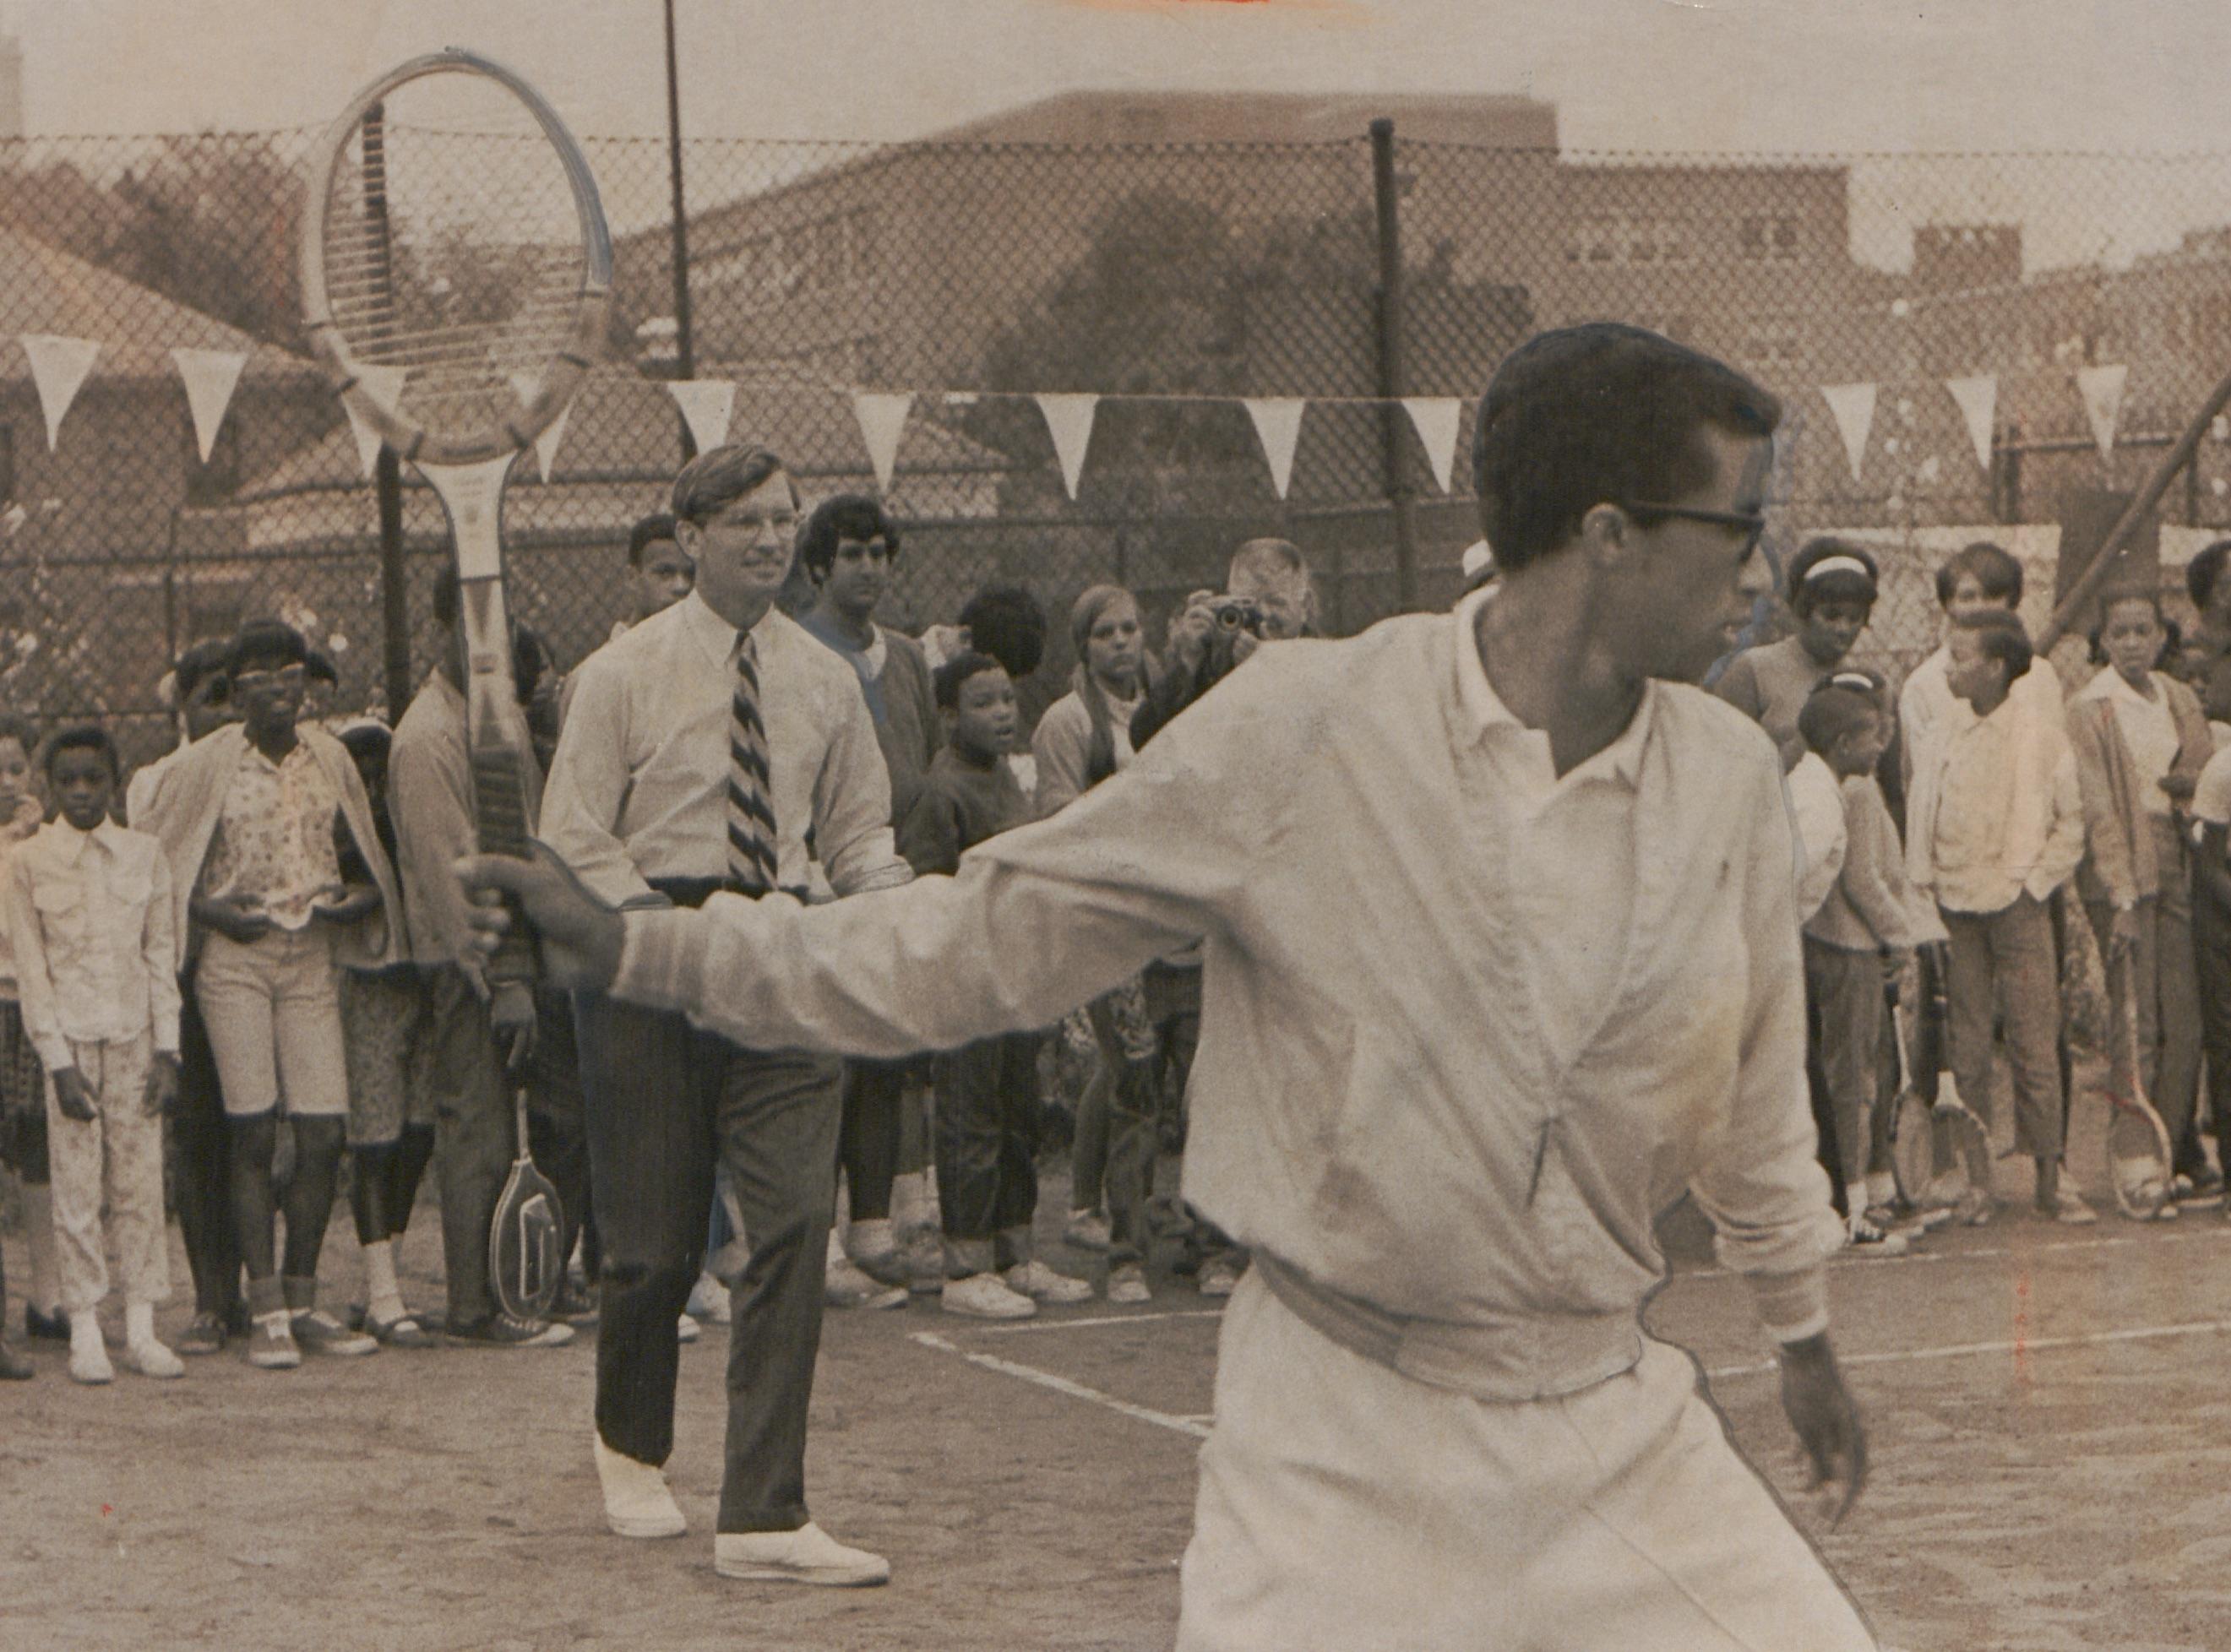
(1235, 614)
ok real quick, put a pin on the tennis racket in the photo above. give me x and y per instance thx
(1930, 1097)
(455, 277)
(2139, 1154)
(525, 1267)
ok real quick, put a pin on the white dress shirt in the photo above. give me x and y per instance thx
(639, 787)
(92, 918)
(1468, 1027)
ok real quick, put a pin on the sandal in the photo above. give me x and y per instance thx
(403, 1333)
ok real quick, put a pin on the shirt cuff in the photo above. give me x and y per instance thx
(55, 1053)
(661, 951)
(1792, 1307)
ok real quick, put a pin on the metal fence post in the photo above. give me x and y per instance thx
(1388, 213)
(685, 355)
(394, 584)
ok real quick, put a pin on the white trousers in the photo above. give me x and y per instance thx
(113, 1158)
(1345, 1506)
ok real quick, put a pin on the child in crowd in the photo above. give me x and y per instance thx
(2211, 938)
(1863, 926)
(2141, 742)
(1084, 738)
(987, 1100)
(22, 1083)
(386, 1042)
(91, 920)
(1832, 595)
(1994, 824)
(322, 683)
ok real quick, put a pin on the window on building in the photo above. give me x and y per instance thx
(1768, 235)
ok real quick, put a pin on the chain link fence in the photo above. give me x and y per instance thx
(1170, 278)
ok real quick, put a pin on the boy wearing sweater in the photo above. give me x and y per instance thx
(987, 1091)
(90, 918)
(1865, 924)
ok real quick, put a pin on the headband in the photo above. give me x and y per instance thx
(1838, 565)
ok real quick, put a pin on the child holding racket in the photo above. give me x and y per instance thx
(2141, 742)
(91, 920)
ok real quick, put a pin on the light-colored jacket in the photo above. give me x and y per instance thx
(2042, 817)
(2119, 863)
(187, 804)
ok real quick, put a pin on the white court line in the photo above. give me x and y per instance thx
(1197, 1429)
(2219, 1233)
(2028, 1345)
(1099, 1319)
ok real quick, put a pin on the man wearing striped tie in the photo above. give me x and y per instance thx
(701, 750)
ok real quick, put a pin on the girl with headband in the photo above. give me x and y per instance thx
(1831, 594)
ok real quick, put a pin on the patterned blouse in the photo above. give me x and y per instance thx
(274, 846)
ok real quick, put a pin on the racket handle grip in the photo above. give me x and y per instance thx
(499, 816)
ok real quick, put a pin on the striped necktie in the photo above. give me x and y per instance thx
(751, 803)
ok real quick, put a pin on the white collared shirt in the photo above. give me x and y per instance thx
(1468, 1028)
(91, 920)
(1816, 803)
(639, 787)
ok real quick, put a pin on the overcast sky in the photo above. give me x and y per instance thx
(1782, 75)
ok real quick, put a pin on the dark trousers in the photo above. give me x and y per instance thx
(204, 1187)
(868, 1140)
(1126, 1140)
(557, 1121)
(664, 1101)
(2211, 951)
(987, 1140)
(1174, 1005)
(472, 1135)
(1828, 1148)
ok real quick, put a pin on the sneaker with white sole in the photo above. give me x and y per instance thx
(809, 1555)
(151, 1358)
(985, 1296)
(637, 1503)
(708, 1300)
(89, 1362)
(270, 1344)
(1217, 1278)
(318, 1331)
(1865, 1239)
(1040, 1283)
(2070, 1210)
(845, 1285)
(688, 1330)
(1126, 1283)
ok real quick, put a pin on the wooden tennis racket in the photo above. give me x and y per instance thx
(2139, 1158)
(1930, 1096)
(455, 277)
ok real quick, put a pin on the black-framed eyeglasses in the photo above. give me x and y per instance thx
(1752, 525)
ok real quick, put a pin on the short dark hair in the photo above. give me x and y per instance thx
(2127, 592)
(317, 666)
(1831, 713)
(719, 476)
(1270, 557)
(368, 738)
(82, 736)
(1811, 584)
(19, 729)
(2004, 638)
(265, 642)
(844, 516)
(2204, 570)
(1593, 414)
(1992, 568)
(648, 532)
(196, 665)
(1007, 622)
(950, 677)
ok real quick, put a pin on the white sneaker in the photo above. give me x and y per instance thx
(985, 1296)
(809, 1555)
(1127, 1282)
(1041, 1284)
(1217, 1278)
(1087, 1230)
(89, 1362)
(688, 1330)
(636, 1501)
(151, 1358)
(708, 1300)
(846, 1286)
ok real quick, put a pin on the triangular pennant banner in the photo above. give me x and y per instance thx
(883, 421)
(1278, 426)
(1435, 420)
(384, 386)
(211, 376)
(58, 368)
(1854, 408)
(1979, 404)
(2103, 402)
(526, 386)
(706, 404)
(1068, 420)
